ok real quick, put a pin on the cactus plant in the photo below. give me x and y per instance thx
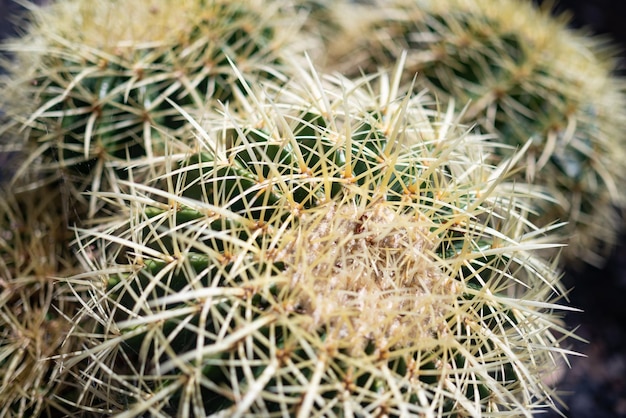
(89, 82)
(522, 76)
(33, 318)
(333, 249)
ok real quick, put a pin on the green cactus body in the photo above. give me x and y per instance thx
(329, 252)
(523, 76)
(98, 76)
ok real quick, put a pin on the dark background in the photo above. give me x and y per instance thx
(7, 9)
(604, 17)
(595, 385)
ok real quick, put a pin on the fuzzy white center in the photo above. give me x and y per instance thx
(368, 275)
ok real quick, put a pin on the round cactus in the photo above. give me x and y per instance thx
(522, 76)
(331, 251)
(33, 322)
(90, 83)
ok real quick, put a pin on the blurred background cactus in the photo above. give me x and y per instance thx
(521, 75)
(89, 83)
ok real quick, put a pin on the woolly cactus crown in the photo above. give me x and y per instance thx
(335, 249)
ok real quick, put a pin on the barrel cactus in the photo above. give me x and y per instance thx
(523, 76)
(334, 249)
(33, 312)
(90, 83)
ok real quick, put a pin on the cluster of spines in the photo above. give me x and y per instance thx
(86, 97)
(33, 310)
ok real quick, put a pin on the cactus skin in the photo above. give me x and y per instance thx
(33, 318)
(523, 76)
(96, 77)
(330, 252)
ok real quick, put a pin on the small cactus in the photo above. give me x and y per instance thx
(90, 83)
(332, 249)
(33, 318)
(523, 76)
